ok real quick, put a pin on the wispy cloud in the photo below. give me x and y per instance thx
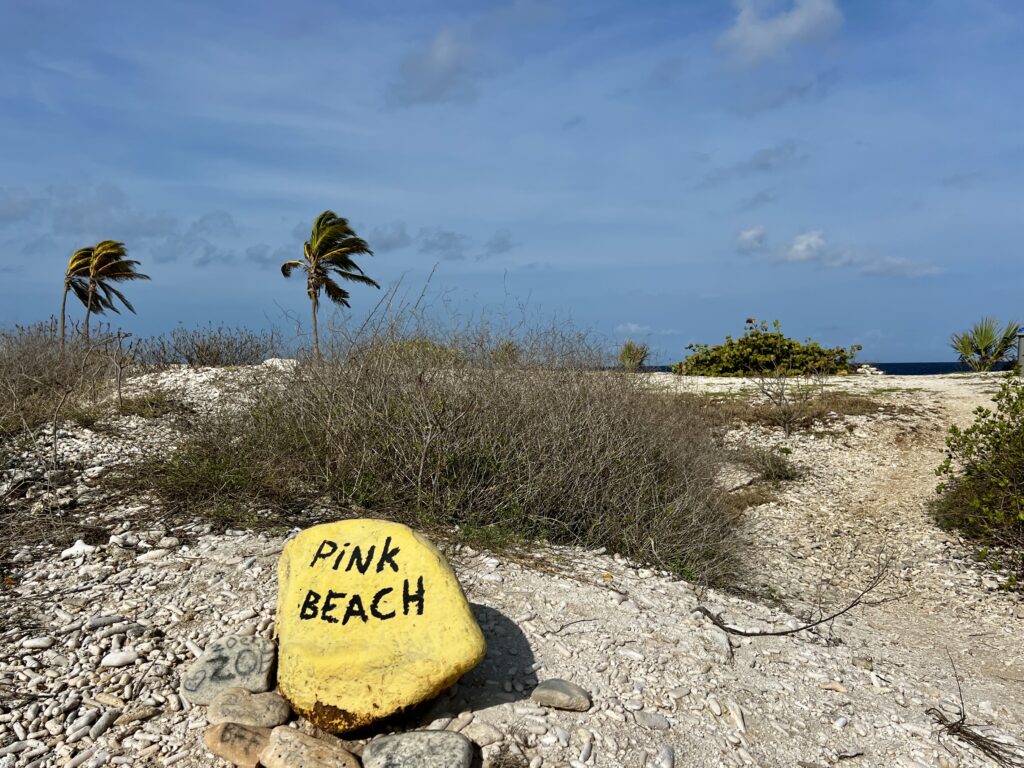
(757, 35)
(441, 71)
(443, 244)
(783, 156)
(751, 239)
(764, 99)
(814, 247)
(499, 243)
(15, 205)
(631, 329)
(758, 200)
(964, 180)
(389, 237)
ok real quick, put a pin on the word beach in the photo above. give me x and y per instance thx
(316, 605)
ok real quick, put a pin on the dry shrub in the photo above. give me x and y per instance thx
(208, 346)
(504, 446)
(40, 382)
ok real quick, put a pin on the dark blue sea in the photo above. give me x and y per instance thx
(898, 369)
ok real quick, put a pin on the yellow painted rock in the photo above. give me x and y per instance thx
(370, 620)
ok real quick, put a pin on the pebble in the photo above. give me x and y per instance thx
(237, 705)
(419, 748)
(290, 748)
(119, 659)
(482, 733)
(238, 744)
(561, 694)
(652, 720)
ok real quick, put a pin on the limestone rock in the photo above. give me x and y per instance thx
(236, 661)
(290, 748)
(237, 705)
(370, 620)
(419, 749)
(238, 744)
(561, 694)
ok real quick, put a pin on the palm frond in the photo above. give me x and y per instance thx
(336, 293)
(78, 264)
(109, 290)
(288, 266)
(355, 277)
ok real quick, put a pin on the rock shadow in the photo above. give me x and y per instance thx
(482, 687)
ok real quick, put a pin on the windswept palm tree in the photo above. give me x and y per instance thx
(984, 346)
(328, 255)
(96, 268)
(76, 279)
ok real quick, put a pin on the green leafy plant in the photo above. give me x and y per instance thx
(632, 356)
(982, 486)
(765, 349)
(983, 346)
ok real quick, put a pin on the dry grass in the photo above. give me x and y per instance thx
(511, 440)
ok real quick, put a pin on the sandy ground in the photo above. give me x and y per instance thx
(669, 688)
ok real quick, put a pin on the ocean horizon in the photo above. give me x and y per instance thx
(896, 369)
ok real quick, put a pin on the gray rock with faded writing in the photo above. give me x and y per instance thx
(237, 705)
(419, 749)
(561, 694)
(290, 748)
(236, 661)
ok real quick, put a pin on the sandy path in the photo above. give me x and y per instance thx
(866, 495)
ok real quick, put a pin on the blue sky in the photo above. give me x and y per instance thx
(660, 170)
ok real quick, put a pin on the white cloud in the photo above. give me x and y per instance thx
(751, 239)
(757, 34)
(631, 329)
(813, 247)
(808, 246)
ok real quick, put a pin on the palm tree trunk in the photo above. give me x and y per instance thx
(316, 330)
(88, 311)
(63, 309)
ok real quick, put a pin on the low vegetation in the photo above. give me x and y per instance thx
(984, 345)
(206, 346)
(507, 448)
(982, 485)
(764, 349)
(632, 356)
(41, 380)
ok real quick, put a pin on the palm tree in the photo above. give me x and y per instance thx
(328, 255)
(74, 279)
(96, 268)
(984, 345)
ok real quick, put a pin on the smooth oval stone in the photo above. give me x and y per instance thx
(370, 620)
(119, 659)
(236, 661)
(237, 705)
(561, 694)
(238, 744)
(419, 749)
(290, 748)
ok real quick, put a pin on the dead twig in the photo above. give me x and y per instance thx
(878, 578)
(1002, 752)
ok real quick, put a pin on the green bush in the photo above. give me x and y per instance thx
(763, 349)
(632, 356)
(982, 487)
